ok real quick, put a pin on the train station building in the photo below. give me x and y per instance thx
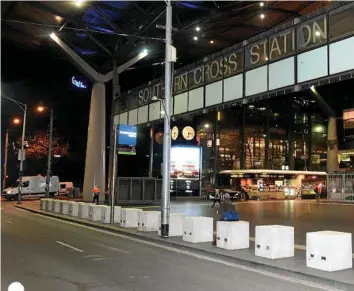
(281, 100)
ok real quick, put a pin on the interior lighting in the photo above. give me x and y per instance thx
(144, 51)
(261, 4)
(262, 16)
(197, 28)
(195, 38)
(317, 33)
(52, 35)
(206, 125)
(313, 89)
(211, 42)
(40, 108)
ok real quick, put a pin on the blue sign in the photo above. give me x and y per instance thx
(78, 83)
(126, 135)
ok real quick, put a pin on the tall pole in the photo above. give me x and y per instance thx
(19, 196)
(151, 155)
(5, 158)
(165, 197)
(49, 163)
(114, 174)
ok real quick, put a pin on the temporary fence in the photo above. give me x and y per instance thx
(340, 187)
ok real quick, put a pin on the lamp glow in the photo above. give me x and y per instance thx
(197, 28)
(262, 16)
(261, 4)
(52, 35)
(195, 38)
(16, 121)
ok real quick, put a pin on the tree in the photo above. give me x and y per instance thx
(38, 145)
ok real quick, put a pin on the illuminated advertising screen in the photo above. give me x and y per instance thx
(126, 139)
(185, 162)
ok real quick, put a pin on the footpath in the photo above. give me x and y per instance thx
(291, 267)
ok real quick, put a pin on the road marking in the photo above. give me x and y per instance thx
(7, 221)
(92, 256)
(99, 259)
(206, 258)
(69, 246)
(113, 249)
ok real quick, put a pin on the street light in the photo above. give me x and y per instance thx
(16, 121)
(154, 98)
(24, 109)
(41, 109)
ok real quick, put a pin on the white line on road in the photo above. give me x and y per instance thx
(206, 258)
(113, 249)
(7, 221)
(69, 246)
(92, 256)
(99, 259)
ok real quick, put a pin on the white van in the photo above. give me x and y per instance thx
(32, 186)
(64, 187)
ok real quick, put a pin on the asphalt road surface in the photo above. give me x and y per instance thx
(47, 254)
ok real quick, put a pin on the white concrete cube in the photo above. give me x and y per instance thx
(74, 209)
(198, 229)
(148, 220)
(329, 250)
(106, 214)
(49, 204)
(83, 210)
(65, 207)
(117, 213)
(274, 241)
(129, 217)
(95, 212)
(42, 204)
(175, 224)
(233, 235)
(57, 206)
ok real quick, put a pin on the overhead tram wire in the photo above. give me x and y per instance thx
(82, 29)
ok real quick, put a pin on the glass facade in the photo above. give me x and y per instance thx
(282, 132)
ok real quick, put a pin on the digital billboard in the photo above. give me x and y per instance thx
(127, 135)
(126, 139)
(185, 162)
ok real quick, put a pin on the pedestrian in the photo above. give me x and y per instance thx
(217, 197)
(96, 194)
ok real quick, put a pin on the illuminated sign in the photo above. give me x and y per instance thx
(127, 135)
(185, 162)
(78, 84)
(295, 38)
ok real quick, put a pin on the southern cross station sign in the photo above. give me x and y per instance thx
(305, 49)
(78, 83)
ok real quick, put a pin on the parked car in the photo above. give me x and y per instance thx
(64, 187)
(32, 186)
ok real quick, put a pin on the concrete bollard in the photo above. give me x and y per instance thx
(274, 241)
(198, 229)
(232, 235)
(176, 224)
(129, 217)
(148, 220)
(329, 250)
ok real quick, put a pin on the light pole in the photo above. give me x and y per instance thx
(24, 109)
(5, 159)
(170, 57)
(49, 161)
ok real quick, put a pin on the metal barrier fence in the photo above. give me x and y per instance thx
(340, 187)
(138, 190)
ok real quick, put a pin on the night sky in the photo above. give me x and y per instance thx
(34, 77)
(44, 77)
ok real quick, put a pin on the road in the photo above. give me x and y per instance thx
(47, 254)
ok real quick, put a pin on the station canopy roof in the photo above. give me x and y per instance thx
(100, 30)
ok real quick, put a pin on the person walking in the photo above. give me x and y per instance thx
(96, 194)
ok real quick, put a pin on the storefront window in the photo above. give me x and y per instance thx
(255, 136)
